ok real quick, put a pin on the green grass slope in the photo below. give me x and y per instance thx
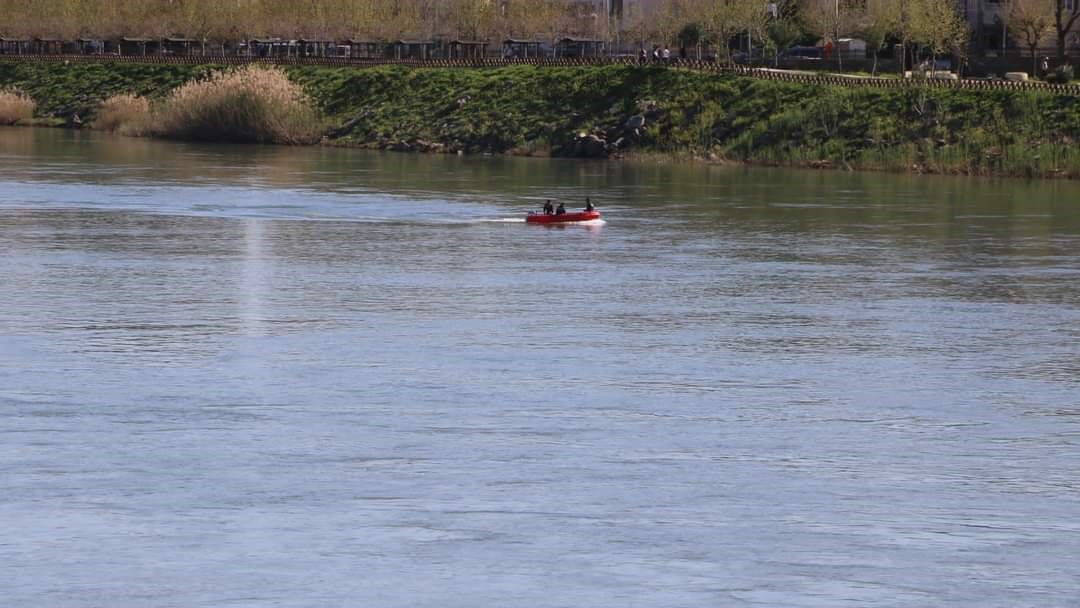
(62, 89)
(640, 110)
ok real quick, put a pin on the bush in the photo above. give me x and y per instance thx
(124, 114)
(253, 104)
(1060, 75)
(15, 106)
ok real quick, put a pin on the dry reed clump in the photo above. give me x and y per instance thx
(15, 106)
(253, 104)
(124, 114)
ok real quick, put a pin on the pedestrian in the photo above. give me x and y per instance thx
(666, 54)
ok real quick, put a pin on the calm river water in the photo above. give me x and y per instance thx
(244, 376)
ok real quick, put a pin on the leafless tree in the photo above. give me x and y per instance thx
(1066, 14)
(1032, 21)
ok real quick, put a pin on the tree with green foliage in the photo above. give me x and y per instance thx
(783, 32)
(691, 36)
(878, 20)
(939, 28)
(759, 16)
(723, 20)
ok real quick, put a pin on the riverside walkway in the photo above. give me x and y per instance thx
(795, 76)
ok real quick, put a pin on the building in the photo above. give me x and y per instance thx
(987, 21)
(990, 34)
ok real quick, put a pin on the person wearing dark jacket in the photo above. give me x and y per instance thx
(548, 208)
(588, 205)
(561, 209)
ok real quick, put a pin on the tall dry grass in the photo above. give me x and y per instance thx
(126, 115)
(253, 104)
(15, 106)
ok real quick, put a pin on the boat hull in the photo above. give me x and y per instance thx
(580, 216)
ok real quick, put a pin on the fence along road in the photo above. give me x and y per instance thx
(837, 80)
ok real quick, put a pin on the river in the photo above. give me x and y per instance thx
(262, 376)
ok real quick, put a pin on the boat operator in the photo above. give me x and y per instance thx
(549, 209)
(588, 205)
(561, 209)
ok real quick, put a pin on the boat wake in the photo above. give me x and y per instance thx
(474, 221)
(579, 224)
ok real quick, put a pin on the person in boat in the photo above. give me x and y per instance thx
(561, 209)
(549, 209)
(588, 205)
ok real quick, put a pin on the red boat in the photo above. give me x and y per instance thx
(580, 216)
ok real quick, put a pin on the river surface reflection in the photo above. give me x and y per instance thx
(255, 376)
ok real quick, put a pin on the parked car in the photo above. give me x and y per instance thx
(803, 52)
(758, 56)
(942, 64)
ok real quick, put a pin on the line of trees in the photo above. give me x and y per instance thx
(929, 27)
(221, 20)
(934, 26)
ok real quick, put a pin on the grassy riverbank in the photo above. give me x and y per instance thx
(622, 110)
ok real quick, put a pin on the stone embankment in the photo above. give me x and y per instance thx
(625, 135)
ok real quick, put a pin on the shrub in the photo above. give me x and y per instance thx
(15, 106)
(253, 104)
(124, 114)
